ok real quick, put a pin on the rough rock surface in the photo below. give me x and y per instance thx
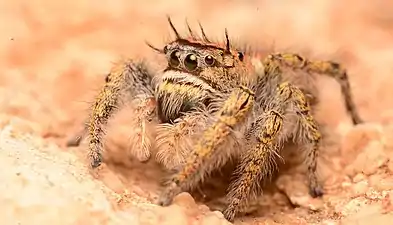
(55, 55)
(40, 184)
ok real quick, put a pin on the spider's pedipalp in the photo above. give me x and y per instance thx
(174, 142)
(141, 143)
(233, 113)
(332, 69)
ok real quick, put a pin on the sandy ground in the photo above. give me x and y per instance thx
(54, 56)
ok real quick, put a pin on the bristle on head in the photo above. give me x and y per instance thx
(203, 33)
(173, 28)
(190, 30)
(228, 46)
(200, 39)
(155, 48)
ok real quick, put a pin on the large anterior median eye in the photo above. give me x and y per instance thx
(174, 59)
(191, 62)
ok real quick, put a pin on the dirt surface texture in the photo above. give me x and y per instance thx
(55, 55)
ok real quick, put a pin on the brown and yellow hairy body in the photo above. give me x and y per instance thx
(214, 103)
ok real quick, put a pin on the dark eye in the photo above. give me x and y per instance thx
(165, 49)
(191, 62)
(209, 60)
(174, 59)
(240, 56)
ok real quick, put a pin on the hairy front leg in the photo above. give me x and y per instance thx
(329, 68)
(233, 112)
(126, 79)
(257, 163)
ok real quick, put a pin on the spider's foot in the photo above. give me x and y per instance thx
(123, 197)
(316, 191)
(96, 160)
(229, 214)
(168, 194)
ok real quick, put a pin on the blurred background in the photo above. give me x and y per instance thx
(54, 54)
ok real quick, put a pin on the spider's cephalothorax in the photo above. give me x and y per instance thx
(214, 104)
(196, 71)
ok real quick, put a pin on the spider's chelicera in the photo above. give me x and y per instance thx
(213, 103)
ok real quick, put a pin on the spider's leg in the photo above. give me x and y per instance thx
(232, 114)
(329, 68)
(126, 79)
(257, 162)
(309, 135)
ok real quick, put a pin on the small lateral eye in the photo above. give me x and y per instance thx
(191, 62)
(165, 49)
(240, 55)
(107, 79)
(174, 59)
(209, 60)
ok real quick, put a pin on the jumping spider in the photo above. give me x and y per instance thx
(213, 104)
